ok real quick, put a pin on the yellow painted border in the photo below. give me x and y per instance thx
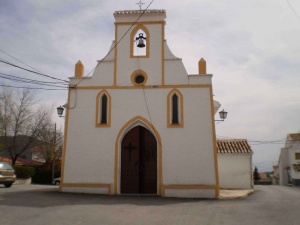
(145, 86)
(164, 187)
(99, 95)
(93, 185)
(159, 152)
(115, 56)
(169, 107)
(217, 189)
(136, 73)
(132, 38)
(163, 54)
(65, 141)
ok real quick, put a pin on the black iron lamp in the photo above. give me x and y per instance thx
(140, 40)
(223, 115)
(60, 111)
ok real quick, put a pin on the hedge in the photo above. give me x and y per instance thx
(24, 171)
(43, 175)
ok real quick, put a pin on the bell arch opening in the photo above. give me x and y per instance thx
(140, 42)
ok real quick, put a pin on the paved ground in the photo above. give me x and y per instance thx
(36, 205)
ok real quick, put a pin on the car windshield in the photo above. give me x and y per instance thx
(5, 166)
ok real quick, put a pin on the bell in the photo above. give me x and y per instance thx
(141, 43)
(141, 39)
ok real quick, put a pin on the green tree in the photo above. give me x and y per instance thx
(256, 176)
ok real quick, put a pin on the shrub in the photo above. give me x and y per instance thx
(43, 175)
(24, 171)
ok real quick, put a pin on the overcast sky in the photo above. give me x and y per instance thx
(251, 47)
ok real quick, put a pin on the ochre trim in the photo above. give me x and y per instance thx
(159, 152)
(163, 54)
(146, 86)
(164, 187)
(217, 190)
(169, 109)
(132, 38)
(65, 139)
(136, 73)
(98, 98)
(115, 55)
(94, 185)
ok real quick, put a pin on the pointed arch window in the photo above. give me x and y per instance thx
(175, 109)
(140, 36)
(175, 113)
(103, 114)
(103, 109)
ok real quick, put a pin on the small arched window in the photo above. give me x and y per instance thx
(103, 109)
(175, 109)
(175, 114)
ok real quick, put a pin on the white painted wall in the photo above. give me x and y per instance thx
(187, 152)
(235, 171)
(295, 148)
(283, 164)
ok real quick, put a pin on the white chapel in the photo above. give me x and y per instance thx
(140, 124)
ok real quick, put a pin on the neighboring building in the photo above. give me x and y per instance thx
(289, 161)
(34, 150)
(22, 162)
(235, 164)
(275, 176)
(141, 124)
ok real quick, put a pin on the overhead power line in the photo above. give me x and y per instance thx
(41, 74)
(280, 141)
(19, 60)
(48, 89)
(29, 81)
(294, 11)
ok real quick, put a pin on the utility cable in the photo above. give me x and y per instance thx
(294, 11)
(30, 81)
(19, 60)
(48, 89)
(41, 74)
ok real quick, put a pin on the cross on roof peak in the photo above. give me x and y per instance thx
(140, 3)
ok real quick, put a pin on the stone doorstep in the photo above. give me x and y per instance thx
(229, 194)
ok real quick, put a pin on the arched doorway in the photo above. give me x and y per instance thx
(139, 162)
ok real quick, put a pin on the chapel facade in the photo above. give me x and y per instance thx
(140, 124)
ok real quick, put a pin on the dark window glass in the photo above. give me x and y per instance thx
(104, 109)
(175, 119)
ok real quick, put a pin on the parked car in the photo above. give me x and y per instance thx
(56, 181)
(7, 174)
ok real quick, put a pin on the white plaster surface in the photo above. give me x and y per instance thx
(187, 152)
(235, 171)
(87, 190)
(190, 193)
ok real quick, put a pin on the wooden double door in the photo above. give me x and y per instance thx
(139, 162)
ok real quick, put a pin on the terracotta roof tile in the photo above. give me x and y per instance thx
(295, 137)
(233, 146)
